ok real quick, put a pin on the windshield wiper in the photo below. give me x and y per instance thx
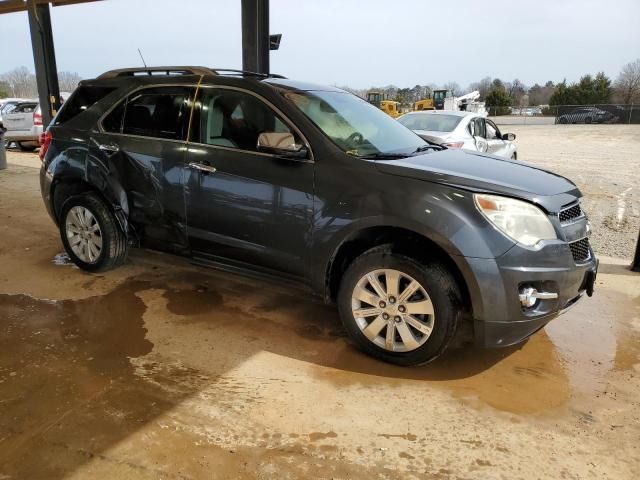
(430, 146)
(383, 156)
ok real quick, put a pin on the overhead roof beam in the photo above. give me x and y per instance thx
(11, 6)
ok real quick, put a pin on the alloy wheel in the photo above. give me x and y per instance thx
(393, 310)
(83, 234)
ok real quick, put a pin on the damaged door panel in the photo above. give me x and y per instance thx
(150, 171)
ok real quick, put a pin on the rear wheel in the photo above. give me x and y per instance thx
(397, 309)
(90, 233)
(26, 147)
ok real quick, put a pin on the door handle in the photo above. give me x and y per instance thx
(202, 167)
(108, 148)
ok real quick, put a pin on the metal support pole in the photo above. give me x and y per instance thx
(635, 266)
(255, 35)
(44, 58)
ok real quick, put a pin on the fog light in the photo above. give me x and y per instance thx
(529, 296)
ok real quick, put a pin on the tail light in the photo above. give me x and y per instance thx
(45, 141)
(37, 118)
(453, 144)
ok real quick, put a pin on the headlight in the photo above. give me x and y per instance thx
(518, 220)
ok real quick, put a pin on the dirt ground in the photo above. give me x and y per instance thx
(161, 369)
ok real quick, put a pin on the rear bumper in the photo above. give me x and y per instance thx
(28, 136)
(502, 320)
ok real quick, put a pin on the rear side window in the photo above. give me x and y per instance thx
(24, 108)
(83, 98)
(159, 112)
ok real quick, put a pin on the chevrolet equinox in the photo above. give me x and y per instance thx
(315, 187)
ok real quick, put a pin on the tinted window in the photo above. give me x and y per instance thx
(233, 119)
(113, 122)
(478, 128)
(154, 112)
(24, 108)
(82, 99)
(434, 122)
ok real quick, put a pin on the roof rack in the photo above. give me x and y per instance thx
(181, 70)
(173, 70)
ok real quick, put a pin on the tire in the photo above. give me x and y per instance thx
(25, 148)
(563, 121)
(437, 329)
(113, 242)
(587, 120)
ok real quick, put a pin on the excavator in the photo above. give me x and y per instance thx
(379, 100)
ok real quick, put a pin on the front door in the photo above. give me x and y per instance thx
(245, 207)
(495, 144)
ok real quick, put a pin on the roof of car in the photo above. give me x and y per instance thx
(456, 113)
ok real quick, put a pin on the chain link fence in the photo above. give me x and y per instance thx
(565, 114)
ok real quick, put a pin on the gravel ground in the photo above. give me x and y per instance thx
(604, 162)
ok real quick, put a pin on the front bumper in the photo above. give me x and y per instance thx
(499, 317)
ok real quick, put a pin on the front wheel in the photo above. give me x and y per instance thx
(91, 234)
(397, 309)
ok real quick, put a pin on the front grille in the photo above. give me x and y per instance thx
(570, 213)
(580, 250)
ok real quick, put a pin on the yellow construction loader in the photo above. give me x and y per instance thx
(424, 104)
(390, 107)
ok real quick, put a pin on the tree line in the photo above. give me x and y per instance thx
(589, 90)
(21, 83)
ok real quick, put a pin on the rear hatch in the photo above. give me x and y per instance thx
(20, 118)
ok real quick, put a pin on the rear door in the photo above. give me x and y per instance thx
(20, 118)
(477, 128)
(142, 141)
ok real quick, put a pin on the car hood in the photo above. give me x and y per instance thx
(483, 173)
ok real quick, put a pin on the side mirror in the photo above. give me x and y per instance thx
(283, 144)
(509, 136)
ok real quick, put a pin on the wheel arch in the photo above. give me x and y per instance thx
(64, 188)
(405, 241)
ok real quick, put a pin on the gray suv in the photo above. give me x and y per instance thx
(312, 186)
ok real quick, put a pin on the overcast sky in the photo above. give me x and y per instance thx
(348, 42)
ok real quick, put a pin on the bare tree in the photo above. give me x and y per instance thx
(483, 86)
(454, 88)
(628, 82)
(21, 82)
(68, 81)
(516, 91)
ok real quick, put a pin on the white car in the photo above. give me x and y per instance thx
(466, 130)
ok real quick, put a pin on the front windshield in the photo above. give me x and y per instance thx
(356, 126)
(433, 122)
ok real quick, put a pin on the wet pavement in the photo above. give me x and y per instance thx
(165, 370)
